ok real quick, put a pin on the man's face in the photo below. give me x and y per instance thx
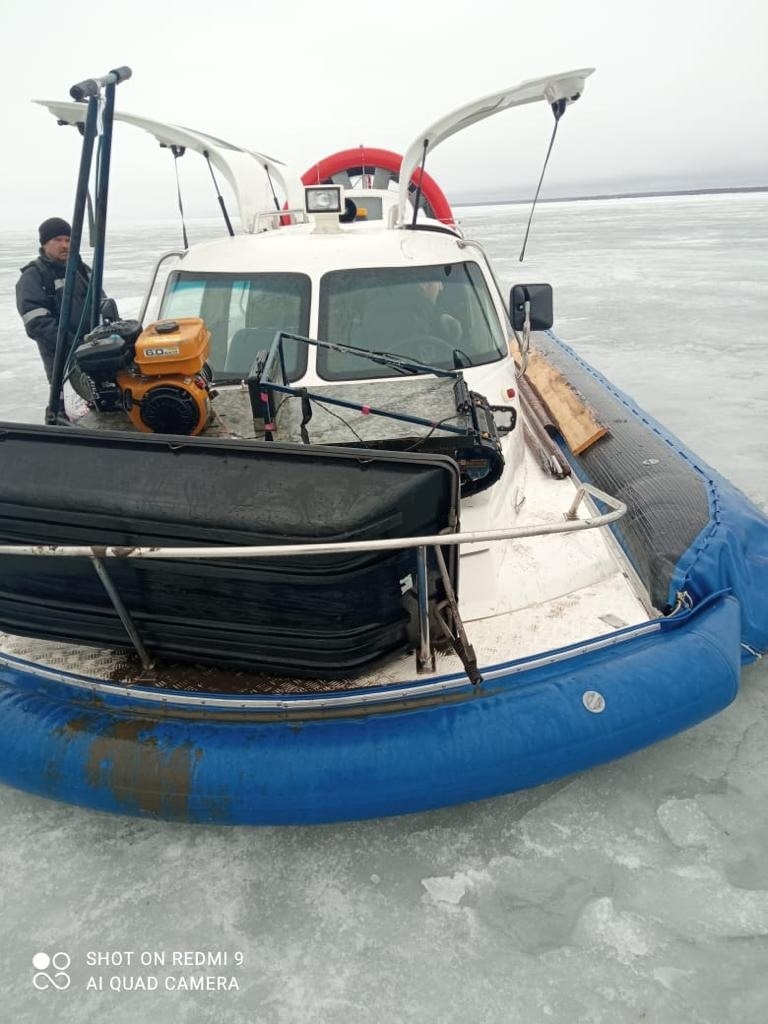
(57, 248)
(431, 289)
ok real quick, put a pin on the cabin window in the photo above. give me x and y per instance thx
(243, 313)
(441, 315)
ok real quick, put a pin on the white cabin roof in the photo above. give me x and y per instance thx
(301, 249)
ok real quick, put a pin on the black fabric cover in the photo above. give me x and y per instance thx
(323, 616)
(666, 496)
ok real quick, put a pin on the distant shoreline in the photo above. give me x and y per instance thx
(615, 195)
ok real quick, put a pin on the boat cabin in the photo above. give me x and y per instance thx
(423, 293)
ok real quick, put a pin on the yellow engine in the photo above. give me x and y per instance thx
(165, 390)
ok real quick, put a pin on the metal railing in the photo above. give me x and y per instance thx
(268, 220)
(571, 524)
(180, 253)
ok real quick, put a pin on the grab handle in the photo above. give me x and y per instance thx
(92, 86)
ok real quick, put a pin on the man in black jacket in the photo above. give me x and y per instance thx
(40, 288)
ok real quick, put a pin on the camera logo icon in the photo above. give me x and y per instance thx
(51, 971)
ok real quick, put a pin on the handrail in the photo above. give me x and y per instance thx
(570, 525)
(452, 627)
(273, 219)
(153, 280)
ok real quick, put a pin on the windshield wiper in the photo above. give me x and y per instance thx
(407, 365)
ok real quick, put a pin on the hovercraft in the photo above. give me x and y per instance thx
(345, 530)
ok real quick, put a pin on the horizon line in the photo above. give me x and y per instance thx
(714, 190)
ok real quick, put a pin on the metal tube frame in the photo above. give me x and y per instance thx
(425, 659)
(122, 611)
(102, 196)
(153, 279)
(455, 631)
(78, 216)
(569, 525)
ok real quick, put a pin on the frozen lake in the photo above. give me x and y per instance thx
(634, 892)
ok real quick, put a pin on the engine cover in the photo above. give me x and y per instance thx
(168, 347)
(173, 404)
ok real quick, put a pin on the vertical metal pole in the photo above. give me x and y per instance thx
(62, 338)
(122, 611)
(102, 194)
(457, 636)
(425, 659)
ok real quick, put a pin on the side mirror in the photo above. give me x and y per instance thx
(539, 296)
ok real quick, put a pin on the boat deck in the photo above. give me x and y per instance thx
(579, 615)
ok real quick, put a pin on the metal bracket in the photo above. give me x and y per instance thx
(456, 635)
(122, 611)
(593, 492)
(425, 656)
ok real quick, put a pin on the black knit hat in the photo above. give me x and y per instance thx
(52, 228)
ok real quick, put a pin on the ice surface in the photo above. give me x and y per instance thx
(634, 892)
(686, 824)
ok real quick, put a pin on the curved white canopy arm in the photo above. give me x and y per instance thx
(244, 169)
(568, 86)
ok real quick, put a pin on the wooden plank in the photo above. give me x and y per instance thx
(576, 421)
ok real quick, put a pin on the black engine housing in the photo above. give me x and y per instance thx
(108, 349)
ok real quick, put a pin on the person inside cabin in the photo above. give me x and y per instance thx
(425, 311)
(40, 289)
(409, 316)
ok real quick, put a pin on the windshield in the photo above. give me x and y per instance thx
(243, 312)
(441, 315)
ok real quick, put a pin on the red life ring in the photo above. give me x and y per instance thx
(364, 160)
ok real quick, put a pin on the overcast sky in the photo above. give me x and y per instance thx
(678, 99)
